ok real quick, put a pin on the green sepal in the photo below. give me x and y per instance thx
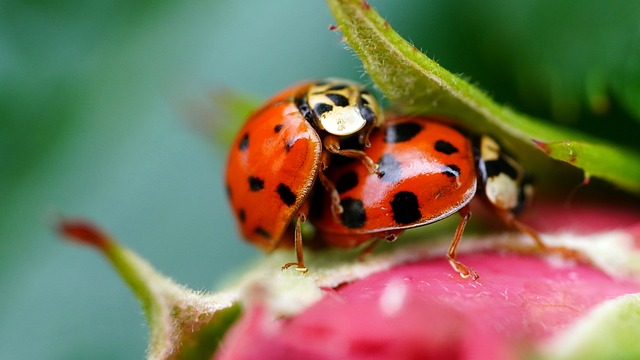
(183, 324)
(610, 331)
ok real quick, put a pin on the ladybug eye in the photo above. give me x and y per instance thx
(368, 114)
(370, 109)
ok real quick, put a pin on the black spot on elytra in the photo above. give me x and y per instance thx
(286, 195)
(495, 167)
(242, 215)
(338, 100)
(445, 147)
(390, 167)
(401, 132)
(405, 208)
(244, 142)
(347, 181)
(262, 232)
(277, 128)
(451, 170)
(255, 183)
(353, 215)
(322, 108)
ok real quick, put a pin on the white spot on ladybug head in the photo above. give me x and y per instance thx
(342, 120)
(502, 191)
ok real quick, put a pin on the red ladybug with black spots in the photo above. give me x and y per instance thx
(428, 171)
(282, 149)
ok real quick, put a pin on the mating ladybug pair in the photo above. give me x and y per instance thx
(403, 172)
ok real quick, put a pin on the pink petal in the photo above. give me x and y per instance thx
(424, 310)
(583, 217)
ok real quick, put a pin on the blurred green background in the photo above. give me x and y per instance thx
(94, 104)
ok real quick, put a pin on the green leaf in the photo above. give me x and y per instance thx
(545, 56)
(416, 84)
(597, 160)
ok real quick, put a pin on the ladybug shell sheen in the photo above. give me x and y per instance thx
(429, 174)
(272, 166)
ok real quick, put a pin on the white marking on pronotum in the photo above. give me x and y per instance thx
(393, 298)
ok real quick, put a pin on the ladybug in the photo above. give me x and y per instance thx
(429, 171)
(282, 149)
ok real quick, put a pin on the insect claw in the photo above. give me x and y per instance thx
(464, 271)
(299, 268)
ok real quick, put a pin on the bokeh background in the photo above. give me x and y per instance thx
(95, 104)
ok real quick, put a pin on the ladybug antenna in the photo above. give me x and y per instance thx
(572, 194)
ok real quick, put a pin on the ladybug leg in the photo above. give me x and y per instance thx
(336, 208)
(460, 268)
(364, 137)
(332, 144)
(510, 219)
(389, 236)
(298, 244)
(367, 250)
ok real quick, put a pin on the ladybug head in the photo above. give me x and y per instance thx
(506, 185)
(341, 107)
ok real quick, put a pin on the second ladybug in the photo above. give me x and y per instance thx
(429, 171)
(284, 147)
